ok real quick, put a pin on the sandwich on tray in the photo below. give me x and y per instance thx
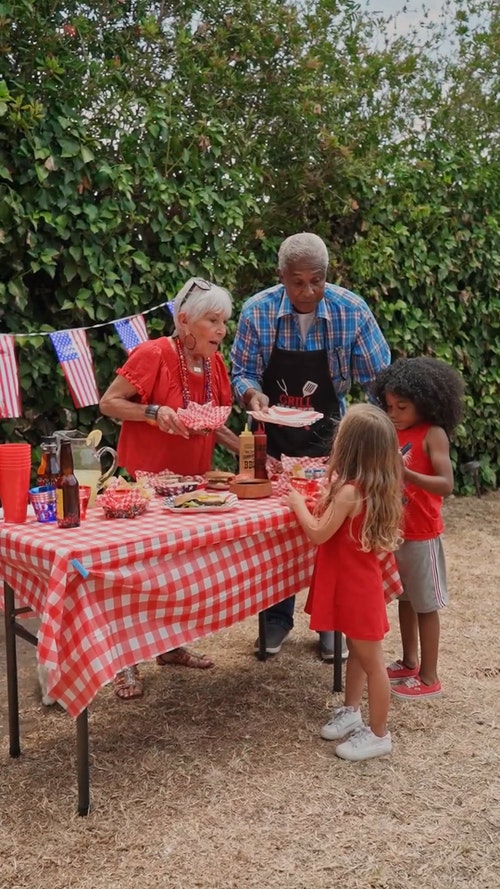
(218, 480)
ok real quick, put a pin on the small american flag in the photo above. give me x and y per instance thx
(73, 352)
(131, 331)
(10, 401)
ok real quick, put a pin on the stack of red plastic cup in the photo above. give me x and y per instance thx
(15, 472)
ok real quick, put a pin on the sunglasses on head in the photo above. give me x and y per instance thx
(200, 283)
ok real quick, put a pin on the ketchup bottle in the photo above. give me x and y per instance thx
(260, 441)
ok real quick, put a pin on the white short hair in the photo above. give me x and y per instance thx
(196, 301)
(304, 246)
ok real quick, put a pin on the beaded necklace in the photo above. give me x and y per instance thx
(207, 389)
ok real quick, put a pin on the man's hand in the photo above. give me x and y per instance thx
(257, 401)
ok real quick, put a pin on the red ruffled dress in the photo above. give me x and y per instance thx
(153, 369)
(347, 592)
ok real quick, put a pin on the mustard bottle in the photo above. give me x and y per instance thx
(247, 453)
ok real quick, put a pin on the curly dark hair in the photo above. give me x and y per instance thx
(435, 388)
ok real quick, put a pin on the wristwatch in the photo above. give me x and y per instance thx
(151, 411)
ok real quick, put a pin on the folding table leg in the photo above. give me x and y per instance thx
(11, 659)
(82, 757)
(82, 728)
(337, 661)
(262, 653)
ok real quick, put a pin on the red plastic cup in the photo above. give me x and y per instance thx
(84, 493)
(309, 487)
(14, 486)
(14, 457)
(7, 465)
(15, 472)
(11, 450)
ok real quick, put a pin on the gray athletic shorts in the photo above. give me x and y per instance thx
(422, 569)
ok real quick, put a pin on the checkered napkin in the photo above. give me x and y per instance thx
(280, 471)
(126, 503)
(169, 483)
(390, 577)
(204, 416)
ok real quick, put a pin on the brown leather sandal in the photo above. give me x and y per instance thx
(127, 684)
(184, 658)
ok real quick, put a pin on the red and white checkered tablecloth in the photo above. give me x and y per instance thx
(153, 583)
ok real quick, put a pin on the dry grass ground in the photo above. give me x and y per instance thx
(219, 780)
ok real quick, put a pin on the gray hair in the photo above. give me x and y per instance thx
(303, 247)
(199, 301)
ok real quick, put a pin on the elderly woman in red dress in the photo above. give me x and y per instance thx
(159, 377)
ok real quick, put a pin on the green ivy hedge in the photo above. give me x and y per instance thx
(136, 150)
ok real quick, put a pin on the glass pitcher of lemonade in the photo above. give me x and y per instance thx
(87, 460)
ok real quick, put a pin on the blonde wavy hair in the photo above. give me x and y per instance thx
(365, 453)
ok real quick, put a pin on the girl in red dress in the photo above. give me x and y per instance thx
(358, 517)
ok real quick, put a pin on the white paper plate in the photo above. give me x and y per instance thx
(231, 501)
(287, 416)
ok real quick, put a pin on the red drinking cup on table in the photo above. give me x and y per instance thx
(309, 487)
(84, 492)
(15, 473)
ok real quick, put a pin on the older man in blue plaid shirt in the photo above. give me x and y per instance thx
(302, 344)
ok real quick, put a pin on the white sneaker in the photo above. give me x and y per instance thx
(363, 744)
(343, 721)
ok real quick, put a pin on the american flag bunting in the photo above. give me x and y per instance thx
(131, 331)
(10, 400)
(73, 352)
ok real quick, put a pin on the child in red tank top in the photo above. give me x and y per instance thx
(358, 516)
(424, 399)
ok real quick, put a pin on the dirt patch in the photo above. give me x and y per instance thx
(218, 779)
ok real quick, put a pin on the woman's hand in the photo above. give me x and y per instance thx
(169, 422)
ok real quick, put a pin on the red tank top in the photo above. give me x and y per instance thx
(422, 517)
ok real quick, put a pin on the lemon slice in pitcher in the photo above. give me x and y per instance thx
(93, 439)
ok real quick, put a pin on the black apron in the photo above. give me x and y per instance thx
(298, 379)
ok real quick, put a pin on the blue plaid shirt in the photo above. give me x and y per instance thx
(344, 326)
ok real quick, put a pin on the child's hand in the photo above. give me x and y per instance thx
(405, 458)
(408, 474)
(293, 499)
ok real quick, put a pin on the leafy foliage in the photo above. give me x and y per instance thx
(141, 142)
(427, 253)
